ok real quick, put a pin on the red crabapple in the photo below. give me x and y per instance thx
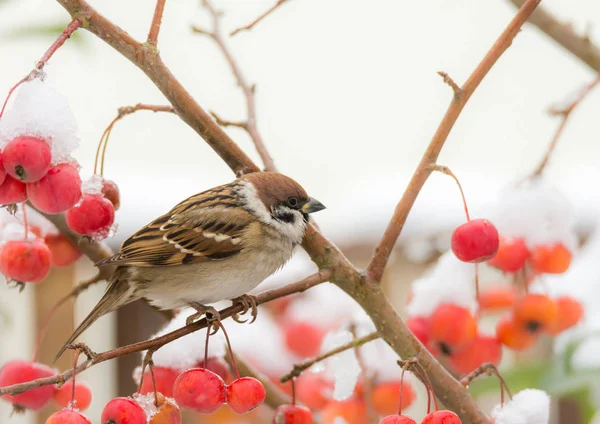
(164, 378)
(512, 255)
(123, 411)
(167, 412)
(25, 260)
(57, 191)
(313, 390)
(352, 410)
(385, 397)
(64, 395)
(245, 394)
(475, 241)
(12, 191)
(93, 216)
(19, 371)
(27, 158)
(293, 414)
(536, 312)
(397, 419)
(63, 252)
(419, 326)
(514, 335)
(569, 312)
(200, 390)
(303, 338)
(441, 417)
(110, 190)
(67, 416)
(215, 365)
(2, 170)
(554, 259)
(451, 328)
(483, 349)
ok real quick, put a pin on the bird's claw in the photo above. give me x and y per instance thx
(211, 314)
(249, 303)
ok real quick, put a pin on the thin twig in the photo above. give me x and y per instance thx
(156, 21)
(487, 369)
(388, 240)
(158, 342)
(565, 114)
(260, 18)
(303, 366)
(250, 125)
(563, 33)
(448, 80)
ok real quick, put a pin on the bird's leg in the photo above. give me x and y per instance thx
(211, 313)
(249, 303)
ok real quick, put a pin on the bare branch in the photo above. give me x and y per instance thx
(448, 80)
(154, 344)
(225, 123)
(303, 366)
(156, 21)
(251, 124)
(565, 114)
(388, 240)
(564, 34)
(260, 18)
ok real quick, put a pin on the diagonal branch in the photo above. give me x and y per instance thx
(155, 344)
(388, 240)
(156, 22)
(250, 125)
(564, 34)
(260, 18)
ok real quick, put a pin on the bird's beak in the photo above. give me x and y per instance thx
(313, 205)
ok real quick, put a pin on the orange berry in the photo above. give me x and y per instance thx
(495, 298)
(483, 349)
(313, 390)
(451, 328)
(553, 259)
(166, 413)
(512, 255)
(514, 335)
(535, 312)
(385, 397)
(569, 312)
(353, 411)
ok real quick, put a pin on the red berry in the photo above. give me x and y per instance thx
(12, 191)
(441, 417)
(397, 419)
(293, 414)
(353, 411)
(536, 312)
(200, 390)
(123, 411)
(164, 378)
(245, 394)
(64, 395)
(451, 328)
(313, 390)
(483, 349)
(569, 312)
(110, 190)
(385, 397)
(19, 371)
(514, 335)
(497, 298)
(57, 191)
(215, 365)
(554, 259)
(303, 338)
(27, 158)
(2, 170)
(63, 252)
(512, 255)
(67, 416)
(419, 326)
(167, 412)
(93, 216)
(475, 241)
(25, 261)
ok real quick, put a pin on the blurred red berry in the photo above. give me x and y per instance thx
(451, 328)
(19, 371)
(397, 419)
(385, 397)
(110, 191)
(67, 416)
(164, 378)
(63, 396)
(313, 390)
(25, 261)
(568, 313)
(292, 414)
(63, 252)
(483, 349)
(441, 417)
(554, 259)
(536, 312)
(514, 335)
(512, 255)
(303, 338)
(419, 326)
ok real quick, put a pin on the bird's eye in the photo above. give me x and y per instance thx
(292, 202)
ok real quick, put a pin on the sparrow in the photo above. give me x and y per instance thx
(213, 246)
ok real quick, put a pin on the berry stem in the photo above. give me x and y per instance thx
(233, 362)
(401, 386)
(151, 368)
(25, 222)
(477, 289)
(445, 170)
(77, 353)
(293, 381)
(206, 346)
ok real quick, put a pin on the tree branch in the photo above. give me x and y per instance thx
(565, 114)
(388, 240)
(154, 344)
(303, 366)
(260, 18)
(565, 35)
(250, 125)
(156, 21)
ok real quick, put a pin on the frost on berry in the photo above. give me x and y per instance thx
(25, 261)
(40, 111)
(57, 191)
(19, 371)
(530, 406)
(27, 158)
(93, 216)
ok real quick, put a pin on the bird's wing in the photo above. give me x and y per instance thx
(204, 227)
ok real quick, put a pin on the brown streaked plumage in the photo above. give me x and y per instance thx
(215, 245)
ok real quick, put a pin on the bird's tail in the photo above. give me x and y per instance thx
(117, 294)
